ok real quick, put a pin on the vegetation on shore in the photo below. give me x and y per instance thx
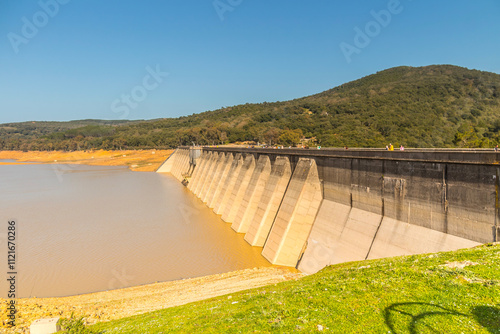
(452, 292)
(432, 106)
(121, 303)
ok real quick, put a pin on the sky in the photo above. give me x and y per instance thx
(121, 59)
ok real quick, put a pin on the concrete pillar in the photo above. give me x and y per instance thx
(220, 179)
(216, 173)
(205, 174)
(196, 174)
(201, 177)
(175, 165)
(269, 202)
(252, 195)
(232, 175)
(166, 167)
(296, 215)
(239, 189)
(180, 164)
(184, 160)
(203, 171)
(209, 177)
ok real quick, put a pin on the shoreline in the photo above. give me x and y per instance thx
(135, 160)
(115, 304)
(121, 303)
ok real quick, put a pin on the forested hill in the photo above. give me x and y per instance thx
(432, 106)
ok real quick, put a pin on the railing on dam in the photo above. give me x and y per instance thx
(480, 156)
(310, 208)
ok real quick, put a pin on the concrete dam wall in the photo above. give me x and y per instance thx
(312, 208)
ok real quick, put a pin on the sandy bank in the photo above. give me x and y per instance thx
(115, 304)
(140, 160)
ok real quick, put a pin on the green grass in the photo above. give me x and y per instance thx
(413, 294)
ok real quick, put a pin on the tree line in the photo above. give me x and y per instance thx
(433, 106)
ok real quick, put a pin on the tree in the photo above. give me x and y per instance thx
(271, 136)
(291, 137)
(223, 137)
(118, 143)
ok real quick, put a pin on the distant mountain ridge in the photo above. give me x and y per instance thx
(431, 106)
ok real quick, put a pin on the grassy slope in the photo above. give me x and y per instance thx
(414, 294)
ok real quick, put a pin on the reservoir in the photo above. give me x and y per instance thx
(83, 229)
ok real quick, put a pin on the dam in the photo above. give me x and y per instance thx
(311, 208)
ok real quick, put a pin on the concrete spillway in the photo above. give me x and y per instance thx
(313, 208)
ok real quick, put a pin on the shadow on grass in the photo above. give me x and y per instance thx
(407, 317)
(488, 317)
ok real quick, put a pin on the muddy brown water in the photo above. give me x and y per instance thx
(82, 229)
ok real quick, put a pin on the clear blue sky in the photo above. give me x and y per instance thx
(86, 56)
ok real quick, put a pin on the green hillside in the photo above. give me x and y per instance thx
(36, 135)
(453, 292)
(432, 106)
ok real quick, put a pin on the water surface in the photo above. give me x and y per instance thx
(91, 228)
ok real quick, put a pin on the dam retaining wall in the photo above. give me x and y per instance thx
(312, 208)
